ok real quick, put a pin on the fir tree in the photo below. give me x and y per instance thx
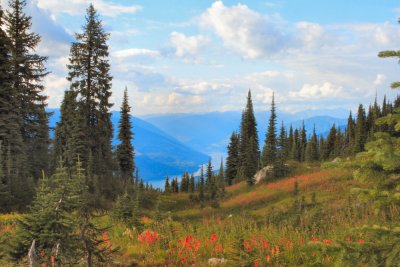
(269, 150)
(232, 161)
(201, 185)
(312, 148)
(360, 132)
(125, 151)
(192, 186)
(279, 167)
(350, 134)
(89, 76)
(303, 142)
(28, 71)
(329, 148)
(249, 147)
(221, 177)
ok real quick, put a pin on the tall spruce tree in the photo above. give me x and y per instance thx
(360, 132)
(12, 152)
(201, 185)
(249, 146)
(269, 150)
(28, 71)
(125, 150)
(232, 161)
(312, 148)
(90, 78)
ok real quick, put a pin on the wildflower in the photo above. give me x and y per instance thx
(314, 239)
(218, 249)
(360, 241)
(265, 243)
(52, 261)
(247, 246)
(268, 258)
(183, 260)
(148, 237)
(256, 262)
(327, 242)
(348, 239)
(214, 237)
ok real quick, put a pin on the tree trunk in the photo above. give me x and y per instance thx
(32, 254)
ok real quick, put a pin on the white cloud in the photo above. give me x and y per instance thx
(136, 52)
(317, 91)
(251, 34)
(380, 78)
(187, 45)
(78, 7)
(54, 88)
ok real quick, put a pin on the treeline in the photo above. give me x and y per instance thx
(285, 145)
(208, 187)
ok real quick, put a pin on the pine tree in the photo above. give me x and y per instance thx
(249, 147)
(192, 186)
(221, 177)
(13, 153)
(350, 134)
(360, 132)
(28, 71)
(269, 150)
(279, 167)
(201, 185)
(51, 221)
(125, 150)
(303, 142)
(232, 161)
(312, 148)
(295, 147)
(89, 76)
(329, 149)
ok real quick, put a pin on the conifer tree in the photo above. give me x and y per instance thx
(303, 142)
(167, 186)
(350, 134)
(232, 161)
(249, 147)
(269, 150)
(201, 185)
(90, 78)
(279, 167)
(28, 71)
(221, 177)
(295, 147)
(360, 132)
(125, 150)
(192, 186)
(329, 148)
(13, 152)
(312, 148)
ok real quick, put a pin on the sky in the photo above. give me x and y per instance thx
(200, 56)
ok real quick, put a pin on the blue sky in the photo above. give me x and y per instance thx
(199, 56)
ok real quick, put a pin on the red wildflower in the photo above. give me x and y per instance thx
(348, 239)
(214, 237)
(247, 246)
(256, 262)
(314, 239)
(265, 243)
(52, 261)
(183, 260)
(360, 241)
(268, 258)
(327, 242)
(148, 237)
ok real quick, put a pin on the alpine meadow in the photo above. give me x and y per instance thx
(199, 133)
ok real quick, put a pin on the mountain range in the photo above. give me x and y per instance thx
(170, 144)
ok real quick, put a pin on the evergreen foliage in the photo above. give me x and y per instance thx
(269, 150)
(233, 160)
(125, 150)
(27, 73)
(91, 81)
